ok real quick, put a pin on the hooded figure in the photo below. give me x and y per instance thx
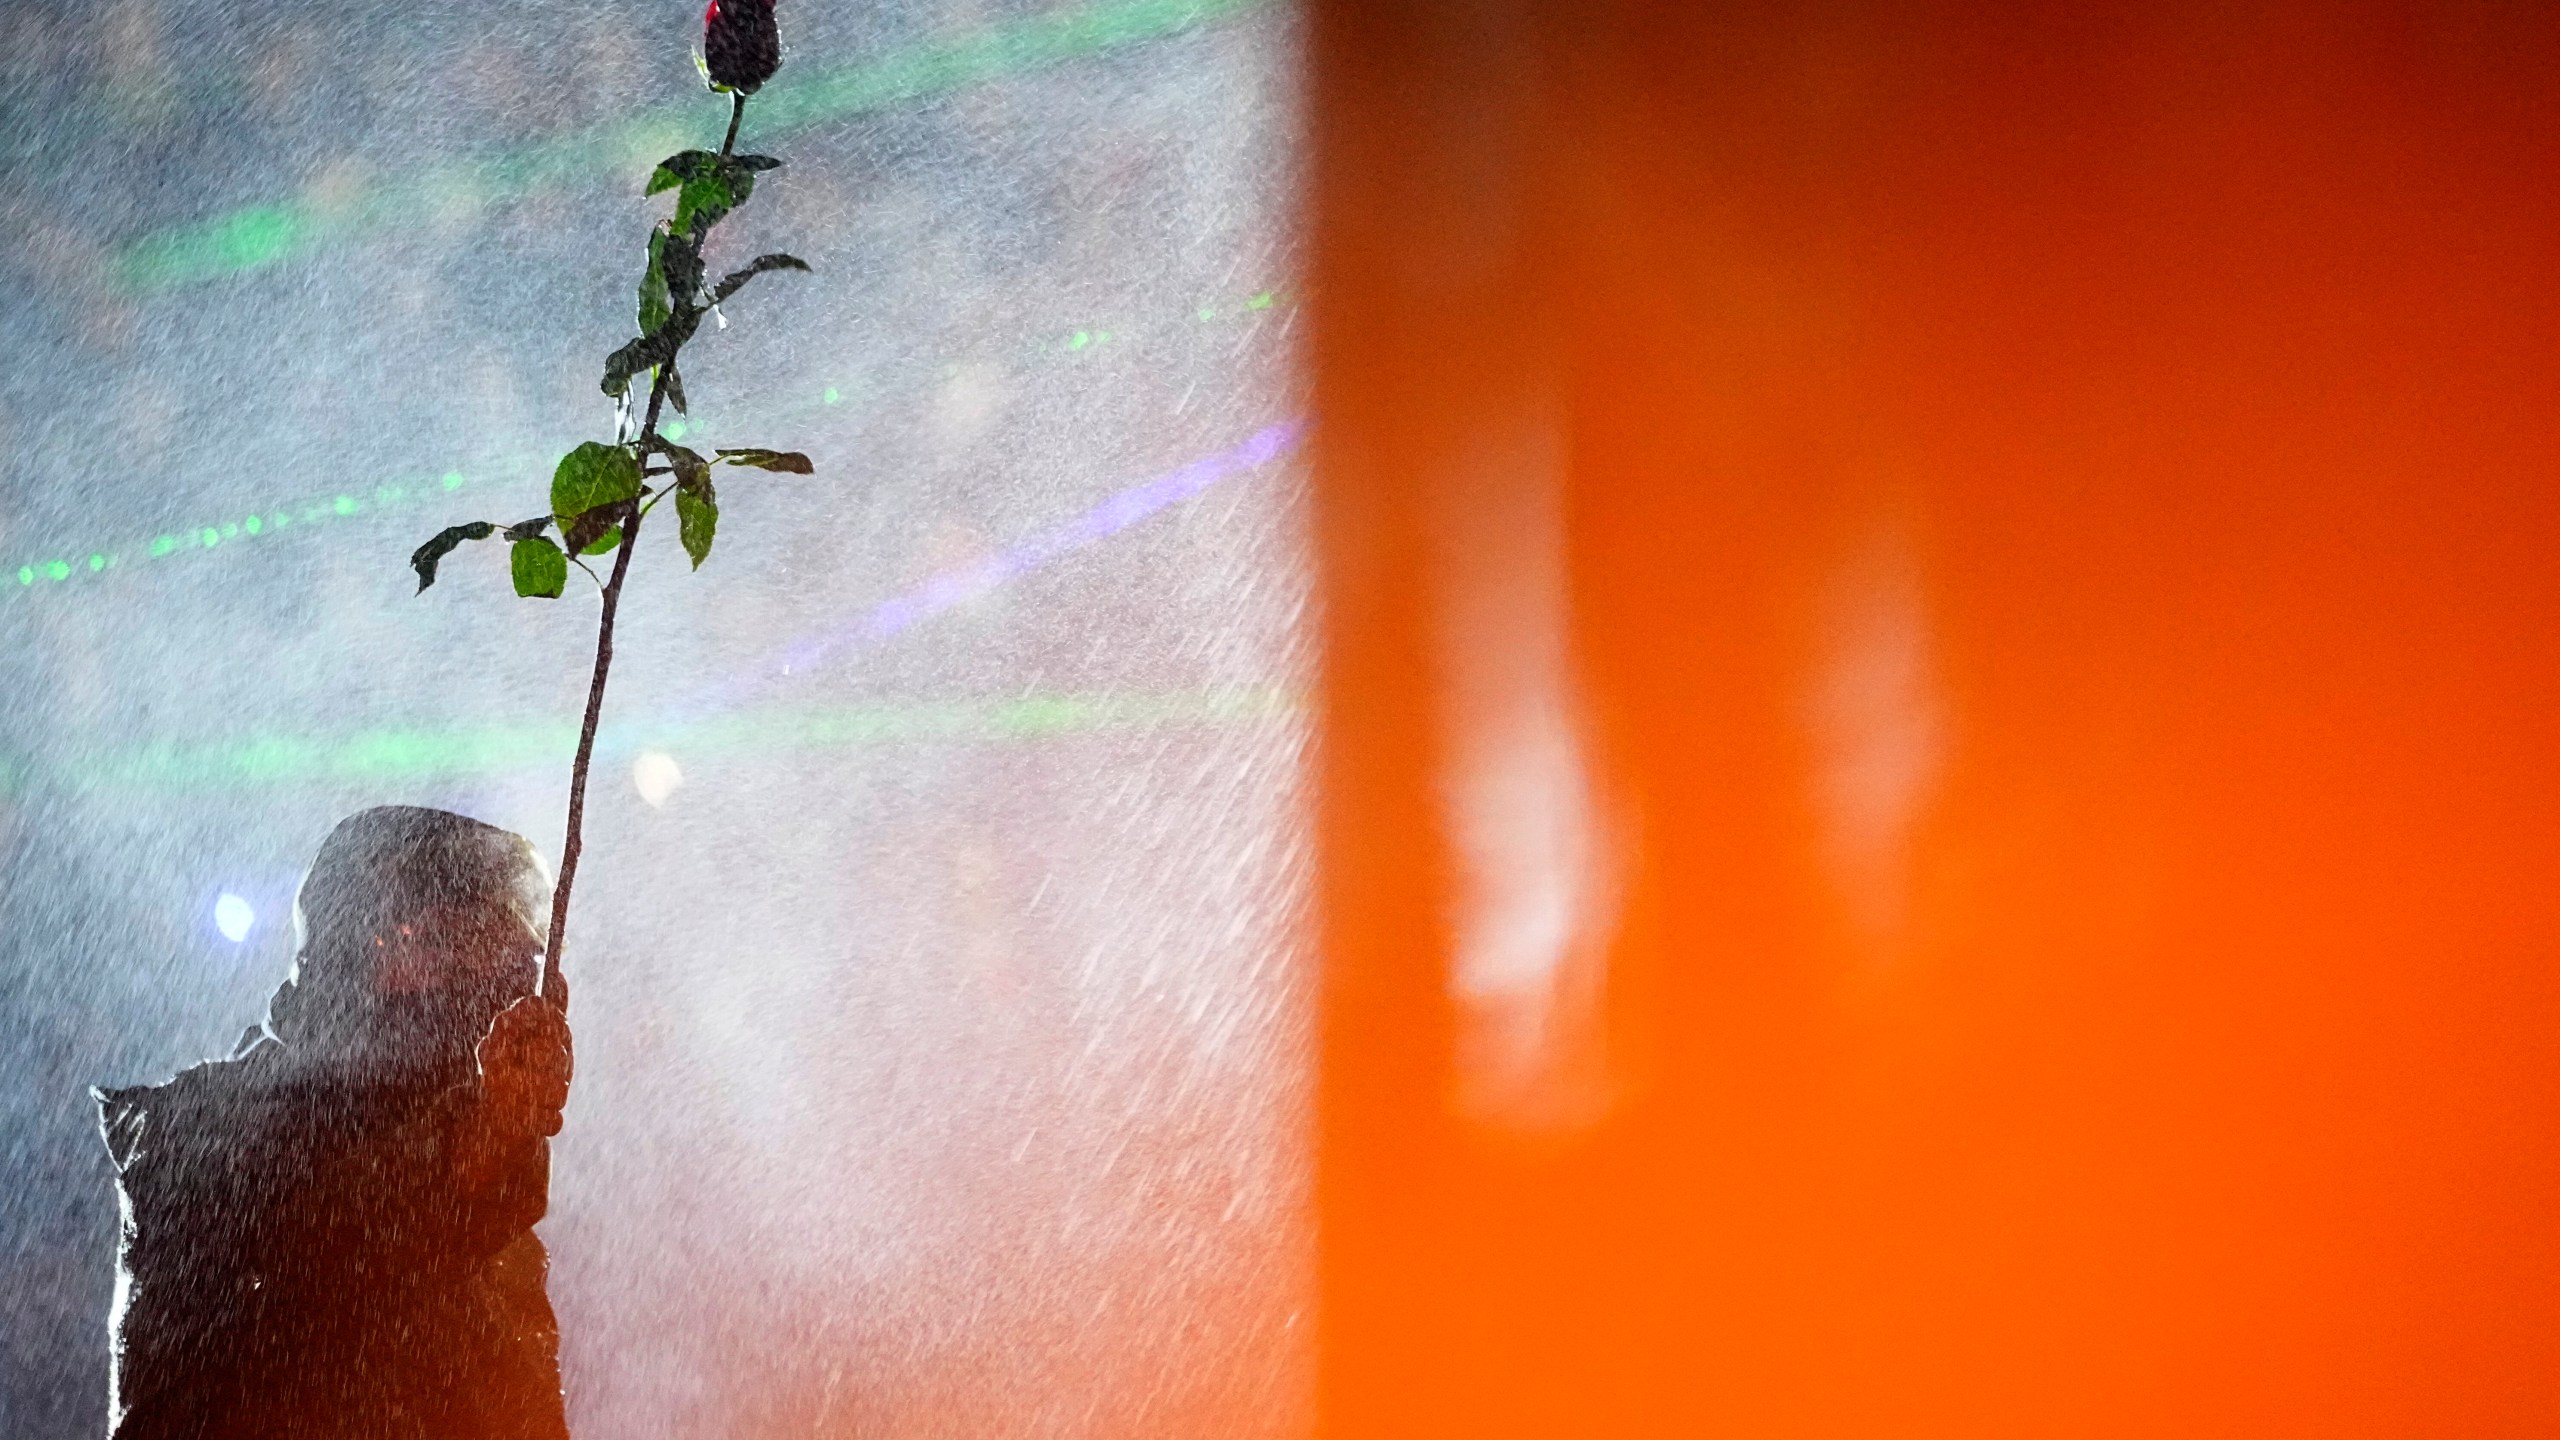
(330, 1234)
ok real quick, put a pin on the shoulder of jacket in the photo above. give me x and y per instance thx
(126, 1114)
(123, 1115)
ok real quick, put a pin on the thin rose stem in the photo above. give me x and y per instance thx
(570, 847)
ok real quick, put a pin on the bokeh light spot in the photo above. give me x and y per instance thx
(233, 916)
(656, 776)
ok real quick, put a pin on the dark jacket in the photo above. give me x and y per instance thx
(302, 1261)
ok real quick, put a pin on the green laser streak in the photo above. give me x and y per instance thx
(408, 755)
(411, 493)
(262, 235)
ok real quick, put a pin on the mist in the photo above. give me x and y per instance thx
(938, 975)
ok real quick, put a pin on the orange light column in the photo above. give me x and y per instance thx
(1940, 797)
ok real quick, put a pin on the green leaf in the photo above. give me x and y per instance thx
(729, 283)
(690, 468)
(680, 167)
(707, 187)
(644, 354)
(701, 203)
(541, 571)
(426, 556)
(593, 474)
(654, 307)
(594, 532)
(788, 460)
(682, 263)
(697, 516)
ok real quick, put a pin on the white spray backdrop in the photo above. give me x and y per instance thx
(937, 958)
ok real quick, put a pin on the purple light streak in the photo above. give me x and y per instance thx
(956, 587)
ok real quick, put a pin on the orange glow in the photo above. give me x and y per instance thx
(2057, 641)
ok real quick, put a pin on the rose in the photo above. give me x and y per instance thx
(741, 46)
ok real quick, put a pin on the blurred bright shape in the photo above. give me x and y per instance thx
(453, 479)
(345, 504)
(58, 570)
(656, 775)
(233, 917)
(1535, 876)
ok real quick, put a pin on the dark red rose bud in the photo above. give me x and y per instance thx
(741, 47)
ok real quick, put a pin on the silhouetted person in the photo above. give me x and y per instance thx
(329, 1236)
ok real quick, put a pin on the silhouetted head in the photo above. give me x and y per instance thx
(418, 926)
